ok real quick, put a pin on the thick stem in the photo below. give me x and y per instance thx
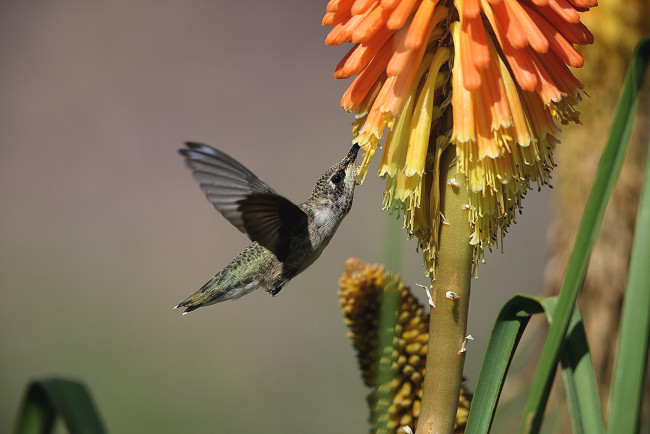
(448, 321)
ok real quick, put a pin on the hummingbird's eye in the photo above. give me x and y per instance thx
(337, 178)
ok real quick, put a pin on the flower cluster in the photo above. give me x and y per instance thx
(395, 402)
(488, 78)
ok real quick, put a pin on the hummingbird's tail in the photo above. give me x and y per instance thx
(202, 297)
(216, 290)
(188, 310)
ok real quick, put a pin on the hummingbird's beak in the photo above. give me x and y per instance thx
(351, 158)
(352, 155)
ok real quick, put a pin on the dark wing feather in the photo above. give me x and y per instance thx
(272, 221)
(223, 179)
(249, 203)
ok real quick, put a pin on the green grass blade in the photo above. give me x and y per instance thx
(49, 397)
(632, 353)
(578, 375)
(606, 175)
(508, 328)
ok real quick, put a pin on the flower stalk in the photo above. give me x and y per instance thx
(487, 84)
(448, 320)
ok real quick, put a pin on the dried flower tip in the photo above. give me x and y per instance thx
(463, 348)
(428, 292)
(451, 295)
(452, 182)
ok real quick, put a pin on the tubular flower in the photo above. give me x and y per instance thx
(396, 402)
(488, 79)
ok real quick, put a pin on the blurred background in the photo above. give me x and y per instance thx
(103, 229)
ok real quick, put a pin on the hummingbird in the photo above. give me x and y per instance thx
(287, 238)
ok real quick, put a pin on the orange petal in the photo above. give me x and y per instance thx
(584, 4)
(471, 76)
(341, 32)
(375, 122)
(561, 74)
(364, 108)
(338, 71)
(484, 137)
(362, 84)
(401, 13)
(339, 5)
(362, 6)
(546, 87)
(359, 57)
(535, 37)
(389, 4)
(373, 21)
(494, 84)
(471, 9)
(557, 42)
(403, 81)
(522, 68)
(402, 56)
(575, 33)
(334, 18)
(328, 19)
(463, 112)
(420, 28)
(516, 109)
(475, 32)
(512, 29)
(565, 11)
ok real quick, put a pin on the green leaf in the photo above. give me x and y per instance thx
(46, 398)
(606, 175)
(578, 375)
(577, 368)
(508, 328)
(632, 353)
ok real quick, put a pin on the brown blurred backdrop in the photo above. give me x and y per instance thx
(103, 230)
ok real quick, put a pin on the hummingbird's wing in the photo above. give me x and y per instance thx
(249, 203)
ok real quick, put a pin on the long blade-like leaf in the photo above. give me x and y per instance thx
(508, 328)
(49, 397)
(606, 175)
(578, 374)
(577, 367)
(631, 357)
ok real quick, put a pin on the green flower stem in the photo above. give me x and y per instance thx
(448, 321)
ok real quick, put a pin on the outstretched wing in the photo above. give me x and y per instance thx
(249, 203)
(272, 221)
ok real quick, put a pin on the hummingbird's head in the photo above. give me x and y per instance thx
(336, 187)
